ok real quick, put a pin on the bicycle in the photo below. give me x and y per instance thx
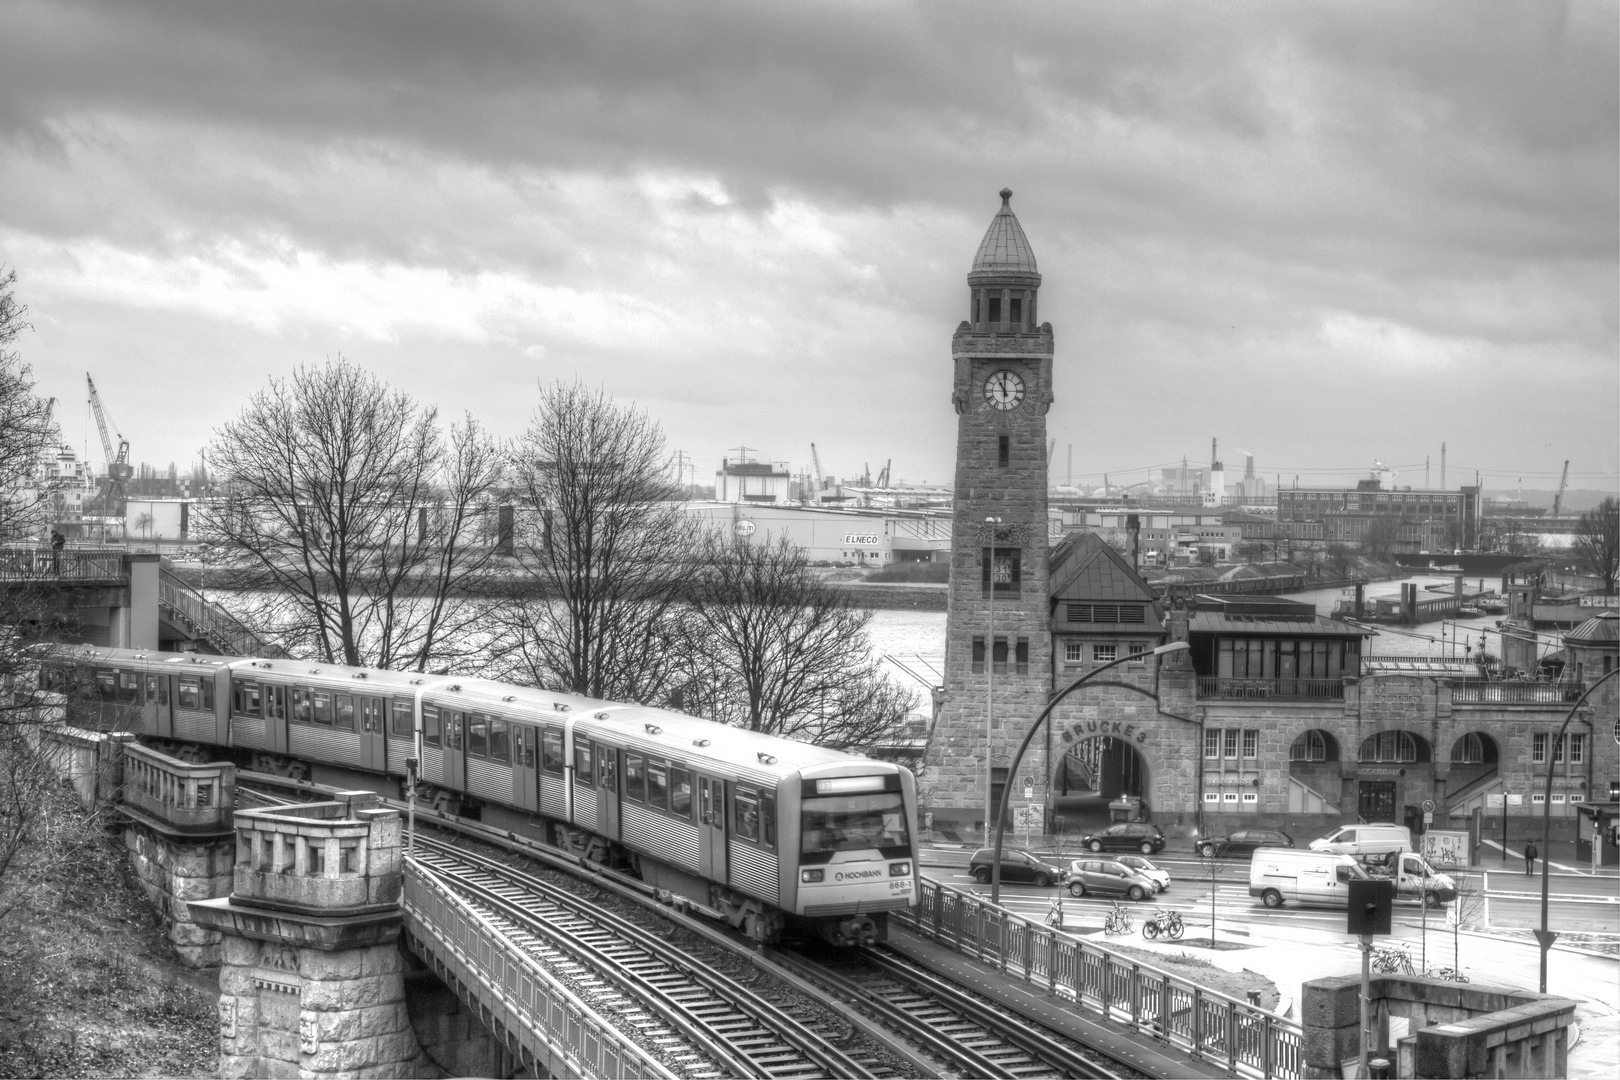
(1054, 914)
(1389, 961)
(1164, 922)
(1119, 921)
(1446, 973)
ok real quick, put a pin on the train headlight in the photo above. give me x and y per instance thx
(811, 876)
(900, 869)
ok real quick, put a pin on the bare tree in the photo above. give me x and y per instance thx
(26, 427)
(604, 555)
(1597, 542)
(347, 520)
(786, 653)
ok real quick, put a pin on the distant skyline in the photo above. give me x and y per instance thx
(1321, 233)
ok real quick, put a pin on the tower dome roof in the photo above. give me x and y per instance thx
(1005, 248)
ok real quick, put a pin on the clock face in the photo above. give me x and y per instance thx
(1004, 389)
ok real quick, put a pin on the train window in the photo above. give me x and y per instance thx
(275, 702)
(163, 689)
(856, 822)
(303, 708)
(703, 801)
(477, 735)
(551, 754)
(190, 692)
(129, 687)
(452, 729)
(343, 712)
(208, 694)
(244, 698)
(582, 767)
(500, 748)
(321, 703)
(403, 719)
(747, 820)
(107, 685)
(635, 778)
(658, 785)
(430, 725)
(526, 746)
(151, 689)
(680, 793)
(605, 770)
(718, 814)
(767, 820)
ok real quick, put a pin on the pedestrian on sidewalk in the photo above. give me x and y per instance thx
(1530, 854)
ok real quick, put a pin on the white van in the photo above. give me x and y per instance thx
(1366, 842)
(1277, 875)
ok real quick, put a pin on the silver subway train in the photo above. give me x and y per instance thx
(763, 832)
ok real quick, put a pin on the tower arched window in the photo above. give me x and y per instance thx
(1389, 746)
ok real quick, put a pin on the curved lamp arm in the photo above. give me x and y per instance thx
(1006, 789)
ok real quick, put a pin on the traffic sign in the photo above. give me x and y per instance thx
(1428, 817)
(1428, 806)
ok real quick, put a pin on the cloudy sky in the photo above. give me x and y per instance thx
(1323, 232)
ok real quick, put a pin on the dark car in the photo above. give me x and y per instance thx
(1132, 836)
(1243, 842)
(1104, 877)
(1016, 865)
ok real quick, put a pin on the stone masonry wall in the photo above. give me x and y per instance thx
(286, 1011)
(173, 871)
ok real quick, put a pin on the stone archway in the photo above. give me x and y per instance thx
(1094, 771)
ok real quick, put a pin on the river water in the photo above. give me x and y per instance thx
(917, 638)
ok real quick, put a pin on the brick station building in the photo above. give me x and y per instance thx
(1275, 716)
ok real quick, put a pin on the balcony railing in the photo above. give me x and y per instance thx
(1276, 689)
(1513, 692)
(20, 562)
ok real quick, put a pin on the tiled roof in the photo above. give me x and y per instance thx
(1085, 567)
(1005, 247)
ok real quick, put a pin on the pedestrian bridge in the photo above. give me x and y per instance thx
(123, 599)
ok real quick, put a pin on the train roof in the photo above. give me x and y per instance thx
(144, 658)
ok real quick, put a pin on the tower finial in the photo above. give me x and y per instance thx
(1006, 198)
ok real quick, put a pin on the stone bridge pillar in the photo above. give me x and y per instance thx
(311, 982)
(180, 839)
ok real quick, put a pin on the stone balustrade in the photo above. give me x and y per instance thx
(327, 858)
(187, 797)
(1452, 1029)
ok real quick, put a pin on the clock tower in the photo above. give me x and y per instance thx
(998, 643)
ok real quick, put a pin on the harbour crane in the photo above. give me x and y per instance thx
(118, 467)
(1558, 499)
(821, 478)
(883, 477)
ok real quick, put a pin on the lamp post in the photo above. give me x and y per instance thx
(990, 524)
(1545, 937)
(1001, 818)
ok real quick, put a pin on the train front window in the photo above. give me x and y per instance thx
(854, 823)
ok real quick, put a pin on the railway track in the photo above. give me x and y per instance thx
(715, 1024)
(962, 1032)
(701, 1022)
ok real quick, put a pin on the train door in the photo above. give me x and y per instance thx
(275, 718)
(525, 773)
(711, 828)
(607, 789)
(160, 706)
(455, 761)
(373, 734)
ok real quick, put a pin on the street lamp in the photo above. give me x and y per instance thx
(990, 524)
(1545, 937)
(1001, 818)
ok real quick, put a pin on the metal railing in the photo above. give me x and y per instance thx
(551, 1026)
(1204, 1023)
(1279, 689)
(1513, 692)
(1428, 665)
(207, 621)
(40, 562)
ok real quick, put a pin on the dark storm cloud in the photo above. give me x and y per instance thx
(1229, 184)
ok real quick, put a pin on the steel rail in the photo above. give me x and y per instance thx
(735, 1026)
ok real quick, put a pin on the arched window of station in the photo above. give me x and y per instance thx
(1394, 747)
(1314, 747)
(1474, 748)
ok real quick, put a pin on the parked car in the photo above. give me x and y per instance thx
(1105, 877)
(1143, 867)
(1242, 842)
(1016, 865)
(1131, 836)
